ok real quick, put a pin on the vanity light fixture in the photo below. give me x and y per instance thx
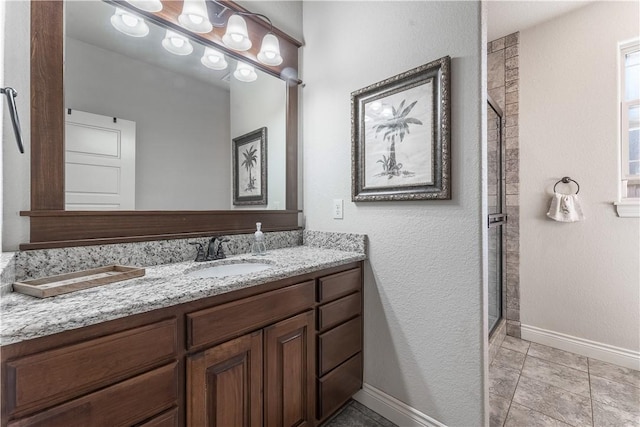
(270, 50)
(129, 23)
(194, 16)
(236, 37)
(147, 5)
(177, 43)
(213, 59)
(245, 72)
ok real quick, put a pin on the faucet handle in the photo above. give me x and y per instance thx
(200, 255)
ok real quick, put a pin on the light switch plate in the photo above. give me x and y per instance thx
(337, 209)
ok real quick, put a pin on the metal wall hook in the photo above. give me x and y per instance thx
(566, 180)
(13, 112)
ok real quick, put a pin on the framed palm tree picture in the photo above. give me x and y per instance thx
(250, 168)
(400, 136)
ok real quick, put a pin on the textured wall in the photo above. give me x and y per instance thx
(15, 166)
(580, 279)
(423, 284)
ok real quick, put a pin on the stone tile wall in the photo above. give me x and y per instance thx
(503, 86)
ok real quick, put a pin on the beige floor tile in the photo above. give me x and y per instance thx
(519, 416)
(499, 408)
(508, 359)
(560, 357)
(561, 376)
(515, 344)
(503, 381)
(622, 396)
(608, 416)
(554, 402)
(614, 372)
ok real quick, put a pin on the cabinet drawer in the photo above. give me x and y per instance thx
(125, 403)
(166, 419)
(339, 284)
(57, 375)
(226, 321)
(337, 387)
(338, 311)
(338, 344)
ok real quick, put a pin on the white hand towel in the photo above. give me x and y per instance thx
(565, 208)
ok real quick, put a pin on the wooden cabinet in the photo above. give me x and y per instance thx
(282, 354)
(289, 372)
(224, 384)
(339, 340)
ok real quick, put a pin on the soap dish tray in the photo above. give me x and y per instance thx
(70, 282)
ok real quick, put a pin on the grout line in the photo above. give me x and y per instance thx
(590, 394)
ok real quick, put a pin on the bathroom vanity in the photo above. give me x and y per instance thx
(281, 347)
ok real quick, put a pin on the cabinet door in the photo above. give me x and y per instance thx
(289, 372)
(224, 384)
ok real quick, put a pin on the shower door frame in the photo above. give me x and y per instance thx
(499, 220)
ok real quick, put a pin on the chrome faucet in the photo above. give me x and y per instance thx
(216, 252)
(214, 249)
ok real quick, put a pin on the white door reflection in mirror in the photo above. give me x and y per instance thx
(100, 162)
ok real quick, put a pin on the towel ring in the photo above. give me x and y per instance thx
(566, 180)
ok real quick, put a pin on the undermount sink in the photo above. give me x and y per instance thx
(226, 270)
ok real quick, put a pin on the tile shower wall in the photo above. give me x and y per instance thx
(503, 86)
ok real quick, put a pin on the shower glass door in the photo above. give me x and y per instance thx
(497, 217)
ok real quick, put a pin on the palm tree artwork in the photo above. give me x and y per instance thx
(249, 162)
(394, 129)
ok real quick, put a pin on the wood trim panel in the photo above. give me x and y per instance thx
(338, 344)
(335, 388)
(47, 105)
(337, 285)
(117, 405)
(166, 419)
(53, 229)
(336, 312)
(225, 321)
(78, 228)
(48, 378)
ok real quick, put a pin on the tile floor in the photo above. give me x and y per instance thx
(354, 414)
(534, 385)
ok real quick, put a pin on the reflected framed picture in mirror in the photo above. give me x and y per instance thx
(250, 168)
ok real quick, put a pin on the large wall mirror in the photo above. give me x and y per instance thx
(143, 149)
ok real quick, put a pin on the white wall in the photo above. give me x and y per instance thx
(423, 284)
(15, 166)
(262, 104)
(182, 125)
(2, 107)
(580, 279)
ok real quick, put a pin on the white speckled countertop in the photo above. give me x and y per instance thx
(24, 317)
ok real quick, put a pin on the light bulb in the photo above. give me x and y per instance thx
(213, 59)
(130, 20)
(176, 43)
(245, 72)
(129, 24)
(195, 17)
(236, 37)
(270, 50)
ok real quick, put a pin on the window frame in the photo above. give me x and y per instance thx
(626, 206)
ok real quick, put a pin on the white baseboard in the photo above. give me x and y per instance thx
(394, 410)
(607, 353)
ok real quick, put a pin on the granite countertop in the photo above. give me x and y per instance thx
(24, 317)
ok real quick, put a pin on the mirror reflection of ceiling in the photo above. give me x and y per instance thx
(90, 22)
